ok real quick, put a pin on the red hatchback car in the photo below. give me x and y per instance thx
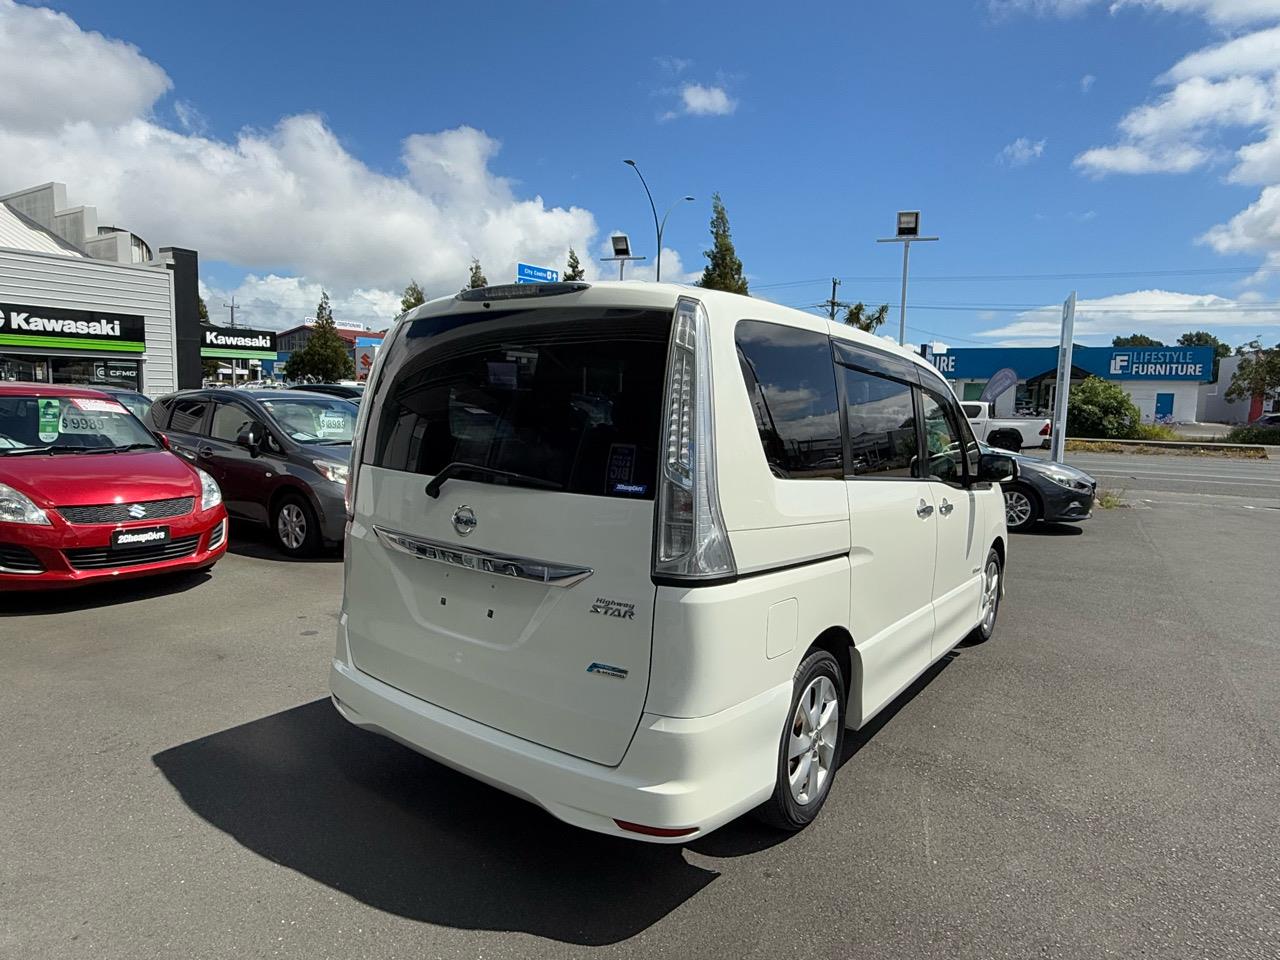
(87, 493)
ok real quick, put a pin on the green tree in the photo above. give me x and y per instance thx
(1203, 338)
(862, 318)
(202, 309)
(1257, 374)
(326, 356)
(724, 269)
(413, 297)
(477, 279)
(1101, 408)
(1136, 340)
(573, 269)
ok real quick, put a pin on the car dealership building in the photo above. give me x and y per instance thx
(1164, 382)
(85, 303)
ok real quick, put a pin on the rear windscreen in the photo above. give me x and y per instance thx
(572, 398)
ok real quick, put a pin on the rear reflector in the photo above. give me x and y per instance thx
(656, 831)
(1044, 431)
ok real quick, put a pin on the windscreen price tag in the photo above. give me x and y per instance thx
(330, 424)
(50, 414)
(90, 405)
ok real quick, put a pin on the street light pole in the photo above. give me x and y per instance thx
(659, 226)
(908, 231)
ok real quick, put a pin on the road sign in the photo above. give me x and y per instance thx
(528, 273)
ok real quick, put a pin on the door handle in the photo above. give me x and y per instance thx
(946, 507)
(205, 452)
(924, 510)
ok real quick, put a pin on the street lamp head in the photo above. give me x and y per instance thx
(630, 163)
(691, 198)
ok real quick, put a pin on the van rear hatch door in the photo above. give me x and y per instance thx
(517, 592)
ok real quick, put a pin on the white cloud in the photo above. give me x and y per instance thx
(1252, 53)
(1087, 82)
(53, 73)
(1226, 12)
(1128, 158)
(290, 197)
(1021, 152)
(701, 101)
(1162, 314)
(1197, 103)
(276, 303)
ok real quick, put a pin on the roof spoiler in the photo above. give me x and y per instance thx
(520, 291)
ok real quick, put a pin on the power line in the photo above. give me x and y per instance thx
(972, 277)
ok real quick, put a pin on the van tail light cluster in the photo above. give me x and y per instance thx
(1045, 430)
(692, 543)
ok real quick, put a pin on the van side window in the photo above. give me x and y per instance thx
(882, 425)
(791, 383)
(971, 409)
(944, 442)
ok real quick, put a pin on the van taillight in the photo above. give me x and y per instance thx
(692, 542)
(1044, 431)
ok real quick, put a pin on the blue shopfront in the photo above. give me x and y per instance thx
(1163, 381)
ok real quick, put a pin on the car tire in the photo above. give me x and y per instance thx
(804, 780)
(992, 587)
(1010, 440)
(1021, 506)
(295, 527)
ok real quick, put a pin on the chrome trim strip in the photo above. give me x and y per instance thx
(483, 561)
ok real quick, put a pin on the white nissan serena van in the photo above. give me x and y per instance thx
(641, 552)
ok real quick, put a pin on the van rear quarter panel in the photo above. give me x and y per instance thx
(772, 522)
(710, 644)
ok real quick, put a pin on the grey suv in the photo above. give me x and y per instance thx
(280, 456)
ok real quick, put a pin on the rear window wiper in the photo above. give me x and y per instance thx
(457, 467)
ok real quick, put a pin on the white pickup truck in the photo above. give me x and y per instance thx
(1008, 433)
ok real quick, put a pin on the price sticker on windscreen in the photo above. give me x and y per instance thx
(50, 414)
(90, 405)
(330, 424)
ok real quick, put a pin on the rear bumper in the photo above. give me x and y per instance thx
(695, 773)
(48, 545)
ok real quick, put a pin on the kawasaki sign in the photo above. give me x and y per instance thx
(237, 342)
(23, 326)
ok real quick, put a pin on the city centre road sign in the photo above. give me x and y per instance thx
(528, 273)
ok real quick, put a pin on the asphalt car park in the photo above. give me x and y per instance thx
(1098, 779)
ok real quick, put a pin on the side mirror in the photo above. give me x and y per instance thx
(996, 468)
(162, 439)
(250, 437)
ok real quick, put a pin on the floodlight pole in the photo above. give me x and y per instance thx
(622, 262)
(906, 259)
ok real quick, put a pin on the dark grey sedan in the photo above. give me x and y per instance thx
(1045, 490)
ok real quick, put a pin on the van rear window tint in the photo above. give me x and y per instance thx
(573, 398)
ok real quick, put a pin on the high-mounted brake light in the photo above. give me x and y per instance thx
(692, 542)
(520, 291)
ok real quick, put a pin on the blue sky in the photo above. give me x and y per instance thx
(815, 126)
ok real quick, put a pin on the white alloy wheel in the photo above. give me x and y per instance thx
(1018, 509)
(990, 594)
(815, 735)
